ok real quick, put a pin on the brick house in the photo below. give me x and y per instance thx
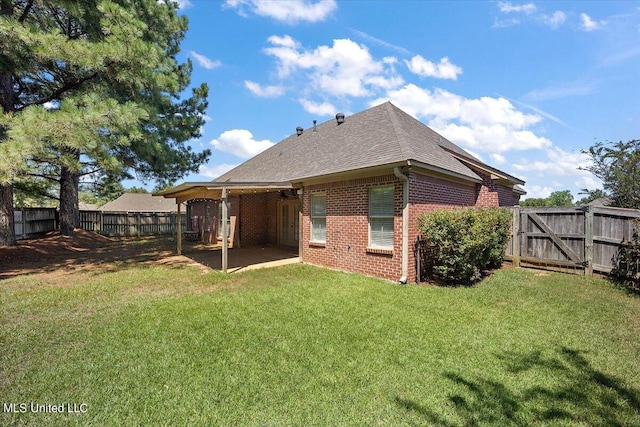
(348, 192)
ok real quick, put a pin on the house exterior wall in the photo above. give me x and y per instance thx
(258, 218)
(348, 229)
(347, 221)
(492, 194)
(255, 218)
(427, 193)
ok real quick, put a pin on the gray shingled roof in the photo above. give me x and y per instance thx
(140, 202)
(381, 135)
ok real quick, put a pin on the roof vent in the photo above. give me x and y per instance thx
(315, 129)
(299, 130)
(340, 118)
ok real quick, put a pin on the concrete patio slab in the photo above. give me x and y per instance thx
(240, 259)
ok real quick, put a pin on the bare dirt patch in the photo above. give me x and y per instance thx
(57, 255)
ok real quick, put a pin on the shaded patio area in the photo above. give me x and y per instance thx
(240, 259)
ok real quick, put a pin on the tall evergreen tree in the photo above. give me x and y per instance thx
(93, 86)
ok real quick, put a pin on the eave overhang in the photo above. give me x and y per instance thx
(213, 190)
(383, 169)
(496, 174)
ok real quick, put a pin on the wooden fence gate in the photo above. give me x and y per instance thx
(578, 239)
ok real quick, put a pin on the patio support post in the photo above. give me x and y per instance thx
(179, 229)
(225, 230)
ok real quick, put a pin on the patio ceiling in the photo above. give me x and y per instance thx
(214, 190)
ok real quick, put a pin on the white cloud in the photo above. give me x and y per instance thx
(240, 142)
(558, 163)
(538, 192)
(540, 112)
(488, 124)
(443, 70)
(204, 61)
(344, 69)
(264, 91)
(215, 170)
(589, 24)
(284, 41)
(321, 109)
(518, 14)
(556, 19)
(507, 7)
(589, 183)
(290, 12)
(498, 159)
(183, 4)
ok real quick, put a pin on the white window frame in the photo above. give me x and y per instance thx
(376, 215)
(318, 218)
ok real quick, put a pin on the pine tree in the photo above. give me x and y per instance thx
(93, 87)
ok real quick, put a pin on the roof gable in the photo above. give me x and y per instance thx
(139, 202)
(381, 135)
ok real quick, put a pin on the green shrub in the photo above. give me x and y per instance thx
(627, 260)
(464, 242)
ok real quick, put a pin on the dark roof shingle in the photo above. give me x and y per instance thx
(381, 135)
(140, 202)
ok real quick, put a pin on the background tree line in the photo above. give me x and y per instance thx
(617, 165)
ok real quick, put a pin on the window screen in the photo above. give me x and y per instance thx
(319, 217)
(381, 217)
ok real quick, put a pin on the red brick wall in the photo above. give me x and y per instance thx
(348, 221)
(258, 218)
(491, 194)
(426, 194)
(348, 229)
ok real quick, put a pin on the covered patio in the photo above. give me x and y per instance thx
(241, 259)
(262, 226)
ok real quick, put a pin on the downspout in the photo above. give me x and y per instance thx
(405, 224)
(300, 223)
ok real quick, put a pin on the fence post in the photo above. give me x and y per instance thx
(588, 241)
(515, 236)
(24, 223)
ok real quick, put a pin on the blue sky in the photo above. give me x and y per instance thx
(522, 85)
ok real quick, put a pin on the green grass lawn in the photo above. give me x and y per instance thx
(298, 345)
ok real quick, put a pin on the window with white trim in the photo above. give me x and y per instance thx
(319, 217)
(381, 204)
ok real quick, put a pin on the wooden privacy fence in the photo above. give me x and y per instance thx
(579, 239)
(31, 221)
(130, 223)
